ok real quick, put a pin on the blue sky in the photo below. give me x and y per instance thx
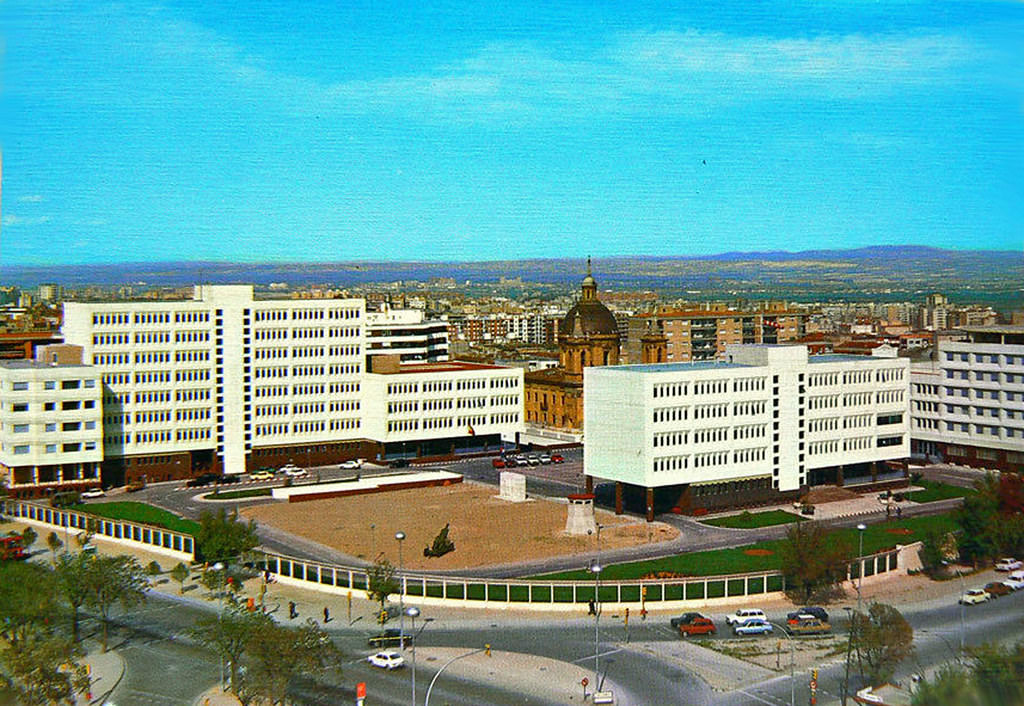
(319, 131)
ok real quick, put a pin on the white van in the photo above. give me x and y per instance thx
(745, 614)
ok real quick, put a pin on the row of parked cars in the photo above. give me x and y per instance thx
(809, 620)
(527, 460)
(994, 589)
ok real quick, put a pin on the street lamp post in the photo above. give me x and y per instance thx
(792, 661)
(400, 536)
(220, 621)
(413, 611)
(860, 561)
(849, 649)
(595, 569)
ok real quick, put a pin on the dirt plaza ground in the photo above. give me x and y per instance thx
(485, 529)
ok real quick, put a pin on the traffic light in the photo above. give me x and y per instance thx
(487, 650)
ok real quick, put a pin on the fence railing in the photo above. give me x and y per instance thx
(339, 578)
(153, 538)
(334, 578)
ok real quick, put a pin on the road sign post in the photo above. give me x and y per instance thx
(583, 682)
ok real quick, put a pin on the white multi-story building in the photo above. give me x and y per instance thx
(436, 409)
(51, 432)
(760, 426)
(967, 405)
(226, 381)
(405, 332)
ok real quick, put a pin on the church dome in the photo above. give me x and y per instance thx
(589, 317)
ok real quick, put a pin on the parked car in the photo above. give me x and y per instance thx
(557, 458)
(545, 459)
(697, 626)
(201, 480)
(391, 636)
(93, 493)
(228, 479)
(533, 460)
(683, 619)
(973, 596)
(398, 463)
(754, 626)
(498, 463)
(352, 464)
(386, 660)
(134, 487)
(293, 471)
(808, 625)
(262, 474)
(1009, 564)
(744, 614)
(816, 611)
(1017, 575)
(998, 588)
(1013, 584)
(521, 460)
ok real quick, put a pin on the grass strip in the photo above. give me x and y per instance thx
(762, 556)
(753, 520)
(142, 513)
(934, 490)
(235, 494)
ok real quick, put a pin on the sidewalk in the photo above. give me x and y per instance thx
(106, 670)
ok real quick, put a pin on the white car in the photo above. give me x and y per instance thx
(745, 614)
(545, 459)
(386, 660)
(352, 465)
(293, 471)
(974, 596)
(93, 493)
(1014, 584)
(1009, 564)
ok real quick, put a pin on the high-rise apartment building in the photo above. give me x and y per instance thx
(407, 333)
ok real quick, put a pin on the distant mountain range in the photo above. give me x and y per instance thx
(880, 272)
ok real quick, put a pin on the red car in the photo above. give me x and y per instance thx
(498, 463)
(557, 458)
(697, 626)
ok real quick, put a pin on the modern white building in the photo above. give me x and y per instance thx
(51, 431)
(225, 381)
(405, 332)
(437, 409)
(967, 405)
(760, 426)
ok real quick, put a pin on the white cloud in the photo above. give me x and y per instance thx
(12, 220)
(32, 198)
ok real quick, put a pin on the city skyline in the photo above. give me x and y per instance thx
(305, 132)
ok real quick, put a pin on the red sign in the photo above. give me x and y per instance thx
(584, 681)
(361, 690)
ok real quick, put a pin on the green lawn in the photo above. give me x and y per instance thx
(233, 494)
(736, 560)
(751, 520)
(140, 512)
(933, 490)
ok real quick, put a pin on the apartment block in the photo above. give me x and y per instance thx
(763, 425)
(703, 334)
(967, 405)
(407, 333)
(51, 432)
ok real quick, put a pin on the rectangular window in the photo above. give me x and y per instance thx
(49, 406)
(71, 447)
(18, 450)
(90, 425)
(21, 428)
(889, 441)
(90, 445)
(90, 383)
(70, 384)
(889, 419)
(19, 407)
(70, 404)
(50, 385)
(70, 426)
(51, 448)
(19, 386)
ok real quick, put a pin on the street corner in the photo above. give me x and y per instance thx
(215, 696)
(105, 670)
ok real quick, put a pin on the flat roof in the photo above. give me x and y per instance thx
(1001, 328)
(675, 367)
(27, 364)
(451, 366)
(842, 358)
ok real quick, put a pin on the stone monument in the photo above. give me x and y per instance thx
(581, 515)
(513, 487)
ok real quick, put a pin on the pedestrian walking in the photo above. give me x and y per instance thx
(292, 613)
(327, 615)
(591, 608)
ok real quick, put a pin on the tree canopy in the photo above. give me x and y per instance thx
(883, 638)
(814, 562)
(223, 537)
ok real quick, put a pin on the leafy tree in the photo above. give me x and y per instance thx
(1011, 493)
(883, 638)
(55, 545)
(71, 575)
(814, 562)
(28, 537)
(223, 537)
(380, 584)
(180, 574)
(153, 569)
(978, 518)
(999, 673)
(230, 634)
(951, 685)
(85, 536)
(114, 580)
(27, 598)
(280, 655)
(933, 553)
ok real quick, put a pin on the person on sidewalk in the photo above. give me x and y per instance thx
(327, 615)
(292, 613)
